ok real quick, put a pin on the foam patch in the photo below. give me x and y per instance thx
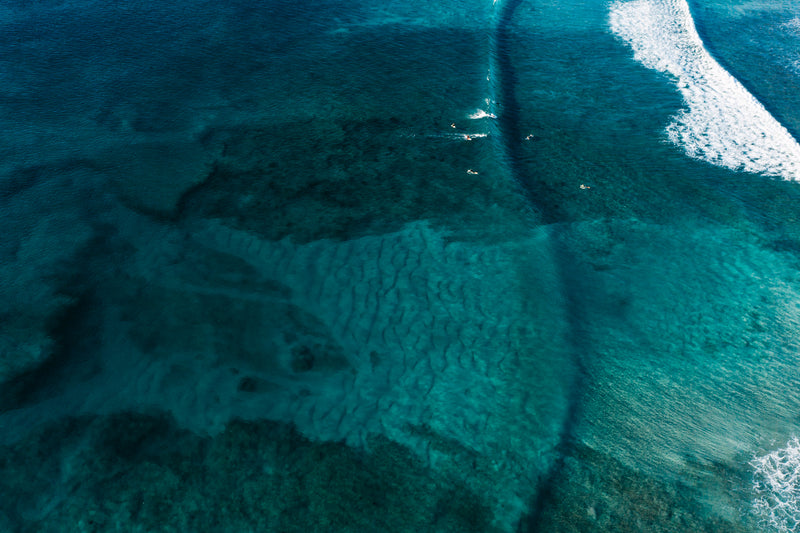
(776, 483)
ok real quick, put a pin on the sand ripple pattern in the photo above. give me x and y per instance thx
(443, 341)
(454, 349)
(430, 329)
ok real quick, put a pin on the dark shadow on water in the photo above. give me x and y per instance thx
(508, 119)
(511, 133)
(73, 339)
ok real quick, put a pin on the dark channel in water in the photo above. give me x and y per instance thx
(549, 213)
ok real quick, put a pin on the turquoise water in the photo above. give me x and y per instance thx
(474, 266)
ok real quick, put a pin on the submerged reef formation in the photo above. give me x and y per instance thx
(389, 290)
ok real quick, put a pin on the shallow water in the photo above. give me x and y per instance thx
(511, 266)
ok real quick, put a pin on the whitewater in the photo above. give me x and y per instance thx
(722, 123)
(777, 488)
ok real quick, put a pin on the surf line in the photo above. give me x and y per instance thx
(510, 134)
(722, 122)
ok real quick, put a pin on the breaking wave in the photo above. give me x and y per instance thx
(722, 122)
(776, 483)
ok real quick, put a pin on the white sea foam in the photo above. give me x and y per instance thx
(722, 123)
(792, 25)
(480, 113)
(776, 483)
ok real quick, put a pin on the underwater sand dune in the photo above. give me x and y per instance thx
(454, 349)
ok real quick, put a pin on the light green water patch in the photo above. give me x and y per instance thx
(596, 493)
(684, 276)
(692, 334)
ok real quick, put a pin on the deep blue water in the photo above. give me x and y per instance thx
(326, 266)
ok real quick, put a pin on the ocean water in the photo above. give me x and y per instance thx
(509, 266)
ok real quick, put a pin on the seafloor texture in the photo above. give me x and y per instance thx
(396, 267)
